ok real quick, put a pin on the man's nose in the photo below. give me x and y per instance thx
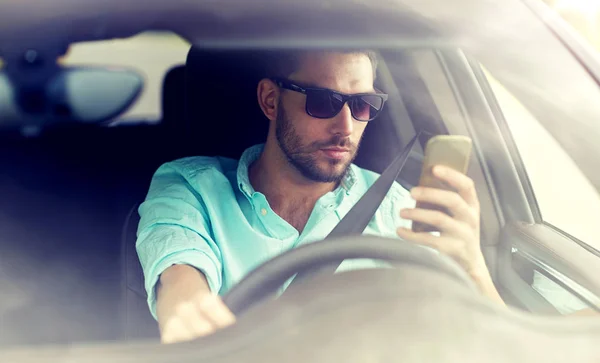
(343, 123)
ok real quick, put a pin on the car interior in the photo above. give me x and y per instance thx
(71, 285)
(70, 196)
(68, 210)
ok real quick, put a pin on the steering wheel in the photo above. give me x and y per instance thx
(267, 278)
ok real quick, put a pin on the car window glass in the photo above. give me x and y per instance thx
(565, 196)
(150, 53)
(582, 15)
(563, 300)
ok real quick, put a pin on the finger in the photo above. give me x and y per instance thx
(193, 320)
(451, 201)
(175, 331)
(459, 181)
(444, 245)
(213, 307)
(201, 326)
(441, 221)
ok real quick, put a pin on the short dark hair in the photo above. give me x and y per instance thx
(284, 63)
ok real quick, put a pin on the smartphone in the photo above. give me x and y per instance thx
(452, 151)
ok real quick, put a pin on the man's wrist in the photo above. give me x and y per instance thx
(484, 282)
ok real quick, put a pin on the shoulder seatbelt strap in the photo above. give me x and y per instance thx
(359, 216)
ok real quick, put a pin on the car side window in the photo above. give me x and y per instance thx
(564, 196)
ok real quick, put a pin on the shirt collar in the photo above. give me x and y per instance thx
(252, 154)
(249, 156)
(349, 180)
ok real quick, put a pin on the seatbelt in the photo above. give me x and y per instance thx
(359, 216)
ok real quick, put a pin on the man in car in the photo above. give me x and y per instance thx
(206, 222)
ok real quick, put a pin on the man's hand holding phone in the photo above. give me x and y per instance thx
(459, 229)
(447, 203)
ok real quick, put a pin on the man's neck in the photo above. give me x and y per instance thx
(283, 185)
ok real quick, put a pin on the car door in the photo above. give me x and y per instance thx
(554, 252)
(537, 133)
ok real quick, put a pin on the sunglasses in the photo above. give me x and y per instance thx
(326, 103)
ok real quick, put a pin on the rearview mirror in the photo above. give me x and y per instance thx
(94, 95)
(87, 95)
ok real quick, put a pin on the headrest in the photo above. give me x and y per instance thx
(223, 115)
(173, 96)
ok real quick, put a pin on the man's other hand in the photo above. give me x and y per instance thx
(185, 307)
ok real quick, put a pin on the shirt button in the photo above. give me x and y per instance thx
(263, 212)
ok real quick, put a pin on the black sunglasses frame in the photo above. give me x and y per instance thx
(289, 85)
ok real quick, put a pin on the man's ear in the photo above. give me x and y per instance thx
(268, 98)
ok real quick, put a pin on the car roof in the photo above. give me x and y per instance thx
(277, 21)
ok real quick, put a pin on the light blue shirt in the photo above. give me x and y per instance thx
(203, 212)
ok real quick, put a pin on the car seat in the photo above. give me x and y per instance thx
(223, 116)
(173, 97)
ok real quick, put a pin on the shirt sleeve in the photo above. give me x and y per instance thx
(174, 229)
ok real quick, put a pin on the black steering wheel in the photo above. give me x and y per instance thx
(269, 277)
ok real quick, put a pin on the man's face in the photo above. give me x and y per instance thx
(323, 149)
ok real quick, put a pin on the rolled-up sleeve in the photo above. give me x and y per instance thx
(174, 229)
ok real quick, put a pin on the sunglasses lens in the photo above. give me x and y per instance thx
(366, 107)
(327, 104)
(323, 104)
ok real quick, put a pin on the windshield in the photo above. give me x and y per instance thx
(166, 175)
